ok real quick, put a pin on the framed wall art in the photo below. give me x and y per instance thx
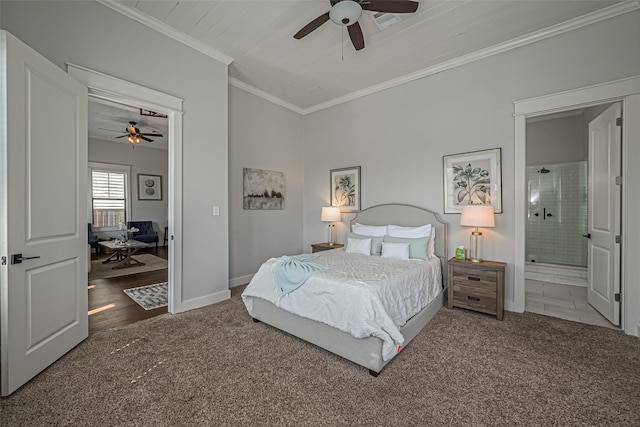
(149, 187)
(473, 179)
(263, 189)
(345, 188)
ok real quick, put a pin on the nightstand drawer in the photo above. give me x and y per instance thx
(474, 298)
(476, 278)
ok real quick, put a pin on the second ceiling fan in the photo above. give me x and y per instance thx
(347, 13)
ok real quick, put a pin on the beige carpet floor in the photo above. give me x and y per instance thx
(215, 367)
(104, 271)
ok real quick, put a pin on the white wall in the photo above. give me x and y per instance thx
(262, 135)
(145, 160)
(399, 135)
(94, 36)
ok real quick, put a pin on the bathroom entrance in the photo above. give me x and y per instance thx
(565, 276)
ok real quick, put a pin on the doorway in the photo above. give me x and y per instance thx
(103, 87)
(128, 169)
(557, 216)
(628, 92)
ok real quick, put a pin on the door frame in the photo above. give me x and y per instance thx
(112, 89)
(627, 91)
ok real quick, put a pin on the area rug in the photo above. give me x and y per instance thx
(150, 296)
(105, 271)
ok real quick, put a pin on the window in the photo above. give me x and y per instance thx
(109, 195)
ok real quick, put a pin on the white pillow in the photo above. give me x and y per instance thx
(358, 246)
(395, 250)
(431, 246)
(369, 230)
(410, 232)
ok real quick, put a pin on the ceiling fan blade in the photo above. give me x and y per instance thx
(390, 6)
(355, 32)
(157, 135)
(122, 136)
(311, 26)
(112, 130)
(145, 138)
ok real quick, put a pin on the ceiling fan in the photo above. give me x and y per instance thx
(347, 13)
(133, 134)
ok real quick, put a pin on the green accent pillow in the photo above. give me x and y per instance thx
(376, 241)
(417, 247)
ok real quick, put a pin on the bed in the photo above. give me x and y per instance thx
(371, 352)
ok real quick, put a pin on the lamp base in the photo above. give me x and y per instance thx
(475, 260)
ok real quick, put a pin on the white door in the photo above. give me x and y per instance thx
(604, 213)
(43, 213)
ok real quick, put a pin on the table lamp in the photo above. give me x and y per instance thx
(331, 215)
(477, 216)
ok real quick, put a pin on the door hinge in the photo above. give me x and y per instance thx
(618, 238)
(619, 121)
(4, 261)
(616, 297)
(618, 180)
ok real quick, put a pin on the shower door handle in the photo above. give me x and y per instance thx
(536, 214)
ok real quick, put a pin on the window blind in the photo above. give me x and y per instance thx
(108, 193)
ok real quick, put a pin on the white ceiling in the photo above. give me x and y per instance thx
(320, 68)
(108, 121)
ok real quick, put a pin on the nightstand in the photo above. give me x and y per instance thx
(477, 286)
(319, 247)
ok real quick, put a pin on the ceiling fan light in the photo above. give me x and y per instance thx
(346, 12)
(137, 139)
(130, 139)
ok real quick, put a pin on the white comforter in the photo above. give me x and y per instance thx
(361, 295)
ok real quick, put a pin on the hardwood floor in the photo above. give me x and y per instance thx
(117, 308)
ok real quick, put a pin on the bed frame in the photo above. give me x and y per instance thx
(366, 352)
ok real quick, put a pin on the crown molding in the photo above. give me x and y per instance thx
(262, 94)
(588, 19)
(161, 27)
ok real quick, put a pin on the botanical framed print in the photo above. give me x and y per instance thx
(149, 187)
(345, 188)
(262, 189)
(473, 179)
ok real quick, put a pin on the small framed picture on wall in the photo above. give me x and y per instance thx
(473, 179)
(149, 187)
(345, 188)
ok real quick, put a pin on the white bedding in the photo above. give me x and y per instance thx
(359, 294)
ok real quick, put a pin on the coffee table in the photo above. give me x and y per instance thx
(122, 253)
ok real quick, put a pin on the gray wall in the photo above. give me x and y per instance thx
(94, 36)
(262, 135)
(143, 160)
(399, 135)
(559, 140)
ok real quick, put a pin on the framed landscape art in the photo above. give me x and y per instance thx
(473, 179)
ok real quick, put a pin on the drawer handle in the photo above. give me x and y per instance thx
(475, 279)
(474, 298)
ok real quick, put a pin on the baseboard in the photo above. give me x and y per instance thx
(242, 280)
(203, 301)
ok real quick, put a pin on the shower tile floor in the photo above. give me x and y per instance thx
(563, 301)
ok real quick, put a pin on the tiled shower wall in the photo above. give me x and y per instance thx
(559, 198)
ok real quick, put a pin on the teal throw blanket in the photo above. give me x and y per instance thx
(292, 271)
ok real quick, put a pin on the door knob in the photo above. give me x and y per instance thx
(588, 235)
(18, 258)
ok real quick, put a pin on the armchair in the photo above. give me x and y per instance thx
(93, 239)
(145, 232)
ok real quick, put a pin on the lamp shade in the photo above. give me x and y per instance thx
(330, 214)
(345, 12)
(477, 216)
